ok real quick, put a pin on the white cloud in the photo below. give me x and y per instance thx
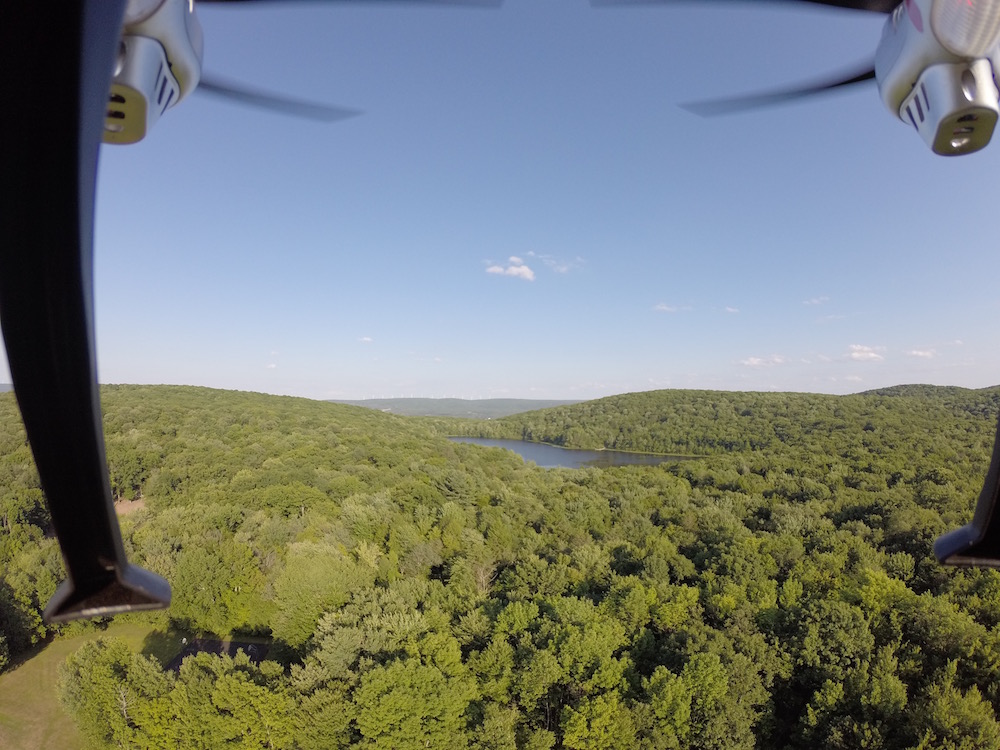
(665, 308)
(854, 378)
(922, 353)
(732, 309)
(366, 339)
(861, 353)
(272, 366)
(516, 268)
(816, 301)
(770, 361)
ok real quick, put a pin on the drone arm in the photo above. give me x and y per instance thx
(46, 287)
(978, 542)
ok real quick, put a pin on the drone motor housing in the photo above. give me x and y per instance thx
(159, 63)
(142, 89)
(954, 107)
(937, 75)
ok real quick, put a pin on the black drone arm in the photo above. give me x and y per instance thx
(57, 61)
(977, 543)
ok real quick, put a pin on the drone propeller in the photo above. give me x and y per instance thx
(465, 3)
(265, 100)
(781, 96)
(296, 107)
(875, 6)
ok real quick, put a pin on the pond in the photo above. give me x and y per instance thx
(552, 456)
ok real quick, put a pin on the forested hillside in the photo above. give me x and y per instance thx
(778, 593)
(712, 422)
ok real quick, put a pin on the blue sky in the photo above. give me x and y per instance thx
(524, 211)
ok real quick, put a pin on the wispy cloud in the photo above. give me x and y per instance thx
(366, 339)
(663, 307)
(769, 361)
(922, 353)
(515, 267)
(557, 264)
(816, 301)
(272, 366)
(729, 309)
(861, 353)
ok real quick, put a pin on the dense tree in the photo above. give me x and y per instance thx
(407, 705)
(955, 720)
(105, 686)
(775, 592)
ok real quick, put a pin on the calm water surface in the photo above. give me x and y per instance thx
(551, 456)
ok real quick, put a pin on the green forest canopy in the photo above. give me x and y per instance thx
(777, 592)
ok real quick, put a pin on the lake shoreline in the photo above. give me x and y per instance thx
(548, 455)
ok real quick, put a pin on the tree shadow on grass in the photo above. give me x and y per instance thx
(173, 645)
(165, 645)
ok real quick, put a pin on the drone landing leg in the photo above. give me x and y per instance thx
(978, 542)
(57, 60)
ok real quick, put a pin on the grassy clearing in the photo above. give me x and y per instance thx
(30, 715)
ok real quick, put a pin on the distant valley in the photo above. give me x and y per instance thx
(486, 408)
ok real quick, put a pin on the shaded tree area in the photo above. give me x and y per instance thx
(423, 593)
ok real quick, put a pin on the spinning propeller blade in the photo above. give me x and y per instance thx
(67, 50)
(465, 3)
(295, 107)
(782, 96)
(875, 6)
(265, 100)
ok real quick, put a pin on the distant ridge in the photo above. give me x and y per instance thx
(487, 408)
(922, 390)
(689, 422)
